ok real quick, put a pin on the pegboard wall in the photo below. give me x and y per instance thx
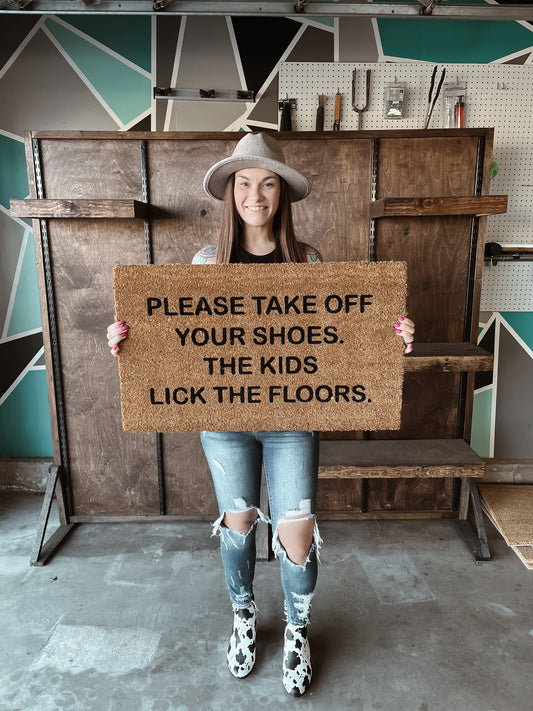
(497, 96)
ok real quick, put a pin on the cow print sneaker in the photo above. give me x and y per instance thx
(241, 649)
(297, 670)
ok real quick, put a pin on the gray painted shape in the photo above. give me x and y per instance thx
(314, 46)
(206, 38)
(266, 109)
(513, 437)
(207, 59)
(54, 97)
(12, 235)
(356, 41)
(203, 116)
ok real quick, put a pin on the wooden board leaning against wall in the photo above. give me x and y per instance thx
(112, 474)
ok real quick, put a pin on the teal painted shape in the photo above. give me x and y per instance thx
(327, 21)
(481, 423)
(25, 428)
(452, 41)
(26, 314)
(13, 176)
(128, 36)
(127, 92)
(522, 323)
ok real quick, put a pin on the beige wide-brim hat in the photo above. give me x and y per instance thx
(255, 150)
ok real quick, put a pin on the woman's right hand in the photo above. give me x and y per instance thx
(116, 333)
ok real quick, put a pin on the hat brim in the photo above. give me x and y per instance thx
(217, 176)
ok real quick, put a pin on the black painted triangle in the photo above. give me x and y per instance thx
(15, 356)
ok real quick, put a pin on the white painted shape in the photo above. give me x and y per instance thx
(394, 576)
(175, 70)
(115, 651)
(14, 285)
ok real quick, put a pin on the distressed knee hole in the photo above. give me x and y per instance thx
(241, 520)
(297, 537)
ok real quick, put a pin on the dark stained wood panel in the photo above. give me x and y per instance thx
(409, 495)
(428, 458)
(340, 496)
(423, 166)
(448, 357)
(188, 485)
(91, 169)
(335, 218)
(114, 474)
(69, 209)
(110, 471)
(437, 287)
(431, 206)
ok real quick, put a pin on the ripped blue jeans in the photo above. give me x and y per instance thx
(290, 462)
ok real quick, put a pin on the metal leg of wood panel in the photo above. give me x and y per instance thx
(41, 551)
(475, 538)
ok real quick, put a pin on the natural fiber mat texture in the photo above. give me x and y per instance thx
(525, 553)
(261, 347)
(510, 508)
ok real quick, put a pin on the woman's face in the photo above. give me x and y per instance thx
(256, 194)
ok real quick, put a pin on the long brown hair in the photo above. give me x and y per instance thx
(230, 249)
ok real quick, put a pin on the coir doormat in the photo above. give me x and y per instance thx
(510, 506)
(261, 347)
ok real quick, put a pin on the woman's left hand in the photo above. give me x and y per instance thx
(405, 328)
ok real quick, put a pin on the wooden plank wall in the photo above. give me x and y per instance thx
(114, 473)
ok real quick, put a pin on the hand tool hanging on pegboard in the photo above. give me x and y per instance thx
(338, 106)
(319, 122)
(360, 111)
(285, 123)
(431, 104)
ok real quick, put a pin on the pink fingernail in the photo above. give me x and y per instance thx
(396, 325)
(398, 332)
(124, 329)
(120, 323)
(409, 348)
(123, 335)
(115, 348)
(401, 318)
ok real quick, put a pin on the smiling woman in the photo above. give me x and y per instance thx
(258, 187)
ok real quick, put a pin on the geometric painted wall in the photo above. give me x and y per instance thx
(84, 73)
(97, 73)
(502, 423)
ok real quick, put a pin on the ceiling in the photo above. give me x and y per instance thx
(516, 10)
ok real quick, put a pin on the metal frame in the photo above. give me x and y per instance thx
(42, 551)
(423, 9)
(475, 539)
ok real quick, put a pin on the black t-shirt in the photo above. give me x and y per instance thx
(262, 258)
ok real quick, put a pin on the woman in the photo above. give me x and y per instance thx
(257, 188)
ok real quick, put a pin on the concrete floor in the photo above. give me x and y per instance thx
(134, 617)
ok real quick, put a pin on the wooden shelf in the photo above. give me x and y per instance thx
(68, 209)
(391, 459)
(448, 357)
(431, 206)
